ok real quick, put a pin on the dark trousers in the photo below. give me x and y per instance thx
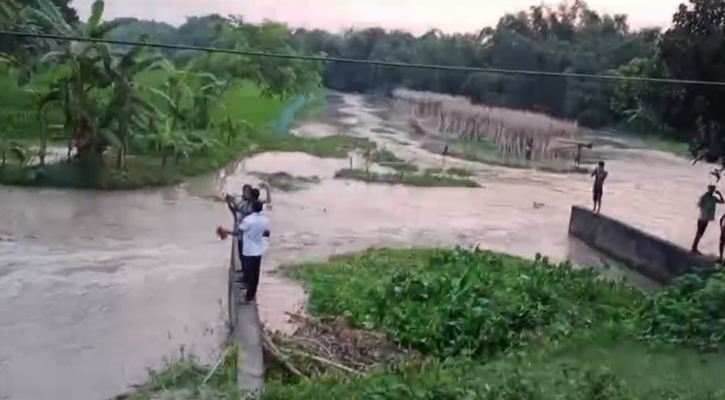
(701, 227)
(251, 266)
(240, 246)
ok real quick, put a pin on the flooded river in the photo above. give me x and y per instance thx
(97, 287)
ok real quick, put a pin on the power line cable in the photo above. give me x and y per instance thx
(394, 64)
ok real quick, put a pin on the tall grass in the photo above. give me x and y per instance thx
(512, 131)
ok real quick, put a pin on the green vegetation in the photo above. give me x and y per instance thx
(286, 182)
(133, 118)
(184, 378)
(410, 179)
(462, 172)
(388, 159)
(337, 146)
(453, 303)
(484, 325)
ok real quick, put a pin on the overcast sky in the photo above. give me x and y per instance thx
(414, 15)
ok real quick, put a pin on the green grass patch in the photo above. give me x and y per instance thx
(618, 371)
(408, 179)
(462, 172)
(387, 158)
(186, 378)
(19, 109)
(337, 146)
(286, 182)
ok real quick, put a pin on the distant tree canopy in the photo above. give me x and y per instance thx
(570, 38)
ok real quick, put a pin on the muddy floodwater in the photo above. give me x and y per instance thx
(97, 287)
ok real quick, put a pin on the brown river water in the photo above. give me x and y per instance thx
(97, 287)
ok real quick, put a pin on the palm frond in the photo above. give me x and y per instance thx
(94, 19)
(53, 15)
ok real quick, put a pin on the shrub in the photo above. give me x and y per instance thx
(689, 311)
(457, 302)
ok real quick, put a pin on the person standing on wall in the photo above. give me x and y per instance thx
(241, 210)
(599, 175)
(253, 229)
(708, 203)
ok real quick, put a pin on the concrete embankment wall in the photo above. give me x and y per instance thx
(648, 255)
(246, 331)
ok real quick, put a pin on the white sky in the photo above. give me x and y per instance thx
(414, 15)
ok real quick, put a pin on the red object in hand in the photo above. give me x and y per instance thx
(221, 233)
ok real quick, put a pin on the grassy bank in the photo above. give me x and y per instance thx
(388, 159)
(483, 325)
(425, 179)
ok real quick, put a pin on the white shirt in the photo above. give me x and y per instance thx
(253, 227)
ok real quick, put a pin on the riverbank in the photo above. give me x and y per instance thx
(495, 326)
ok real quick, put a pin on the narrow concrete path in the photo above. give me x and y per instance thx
(246, 331)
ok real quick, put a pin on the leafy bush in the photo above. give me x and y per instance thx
(689, 311)
(464, 380)
(457, 302)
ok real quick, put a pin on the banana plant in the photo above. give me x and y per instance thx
(98, 95)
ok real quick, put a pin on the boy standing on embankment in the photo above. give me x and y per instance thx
(600, 175)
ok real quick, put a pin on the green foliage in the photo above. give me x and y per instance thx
(388, 159)
(462, 172)
(450, 303)
(693, 48)
(184, 377)
(337, 146)
(425, 179)
(691, 311)
(569, 38)
(492, 326)
(132, 101)
(532, 378)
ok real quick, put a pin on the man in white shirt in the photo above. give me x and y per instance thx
(252, 230)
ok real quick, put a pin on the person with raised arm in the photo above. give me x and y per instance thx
(252, 230)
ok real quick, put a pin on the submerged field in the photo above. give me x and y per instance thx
(484, 325)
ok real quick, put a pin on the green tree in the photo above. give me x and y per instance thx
(96, 91)
(694, 49)
(67, 12)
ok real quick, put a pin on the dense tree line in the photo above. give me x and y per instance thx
(569, 38)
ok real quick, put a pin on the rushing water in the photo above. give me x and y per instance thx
(96, 287)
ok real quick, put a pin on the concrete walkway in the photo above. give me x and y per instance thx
(246, 331)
